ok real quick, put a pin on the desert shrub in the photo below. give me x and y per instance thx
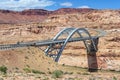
(49, 72)
(37, 72)
(85, 73)
(26, 57)
(114, 78)
(68, 72)
(57, 74)
(27, 70)
(3, 69)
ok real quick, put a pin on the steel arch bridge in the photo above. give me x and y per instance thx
(57, 44)
(91, 46)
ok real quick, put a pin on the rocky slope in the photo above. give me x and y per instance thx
(64, 16)
(91, 18)
(27, 16)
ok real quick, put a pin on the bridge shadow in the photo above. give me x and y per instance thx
(92, 57)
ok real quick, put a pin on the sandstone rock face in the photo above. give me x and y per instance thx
(28, 16)
(71, 10)
(93, 18)
(36, 12)
(63, 17)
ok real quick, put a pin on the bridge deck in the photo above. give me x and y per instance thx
(41, 43)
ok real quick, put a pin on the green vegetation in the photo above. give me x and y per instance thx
(57, 74)
(28, 70)
(85, 73)
(37, 72)
(3, 69)
(114, 78)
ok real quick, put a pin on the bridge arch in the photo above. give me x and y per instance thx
(70, 32)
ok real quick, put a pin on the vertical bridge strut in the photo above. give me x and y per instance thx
(55, 52)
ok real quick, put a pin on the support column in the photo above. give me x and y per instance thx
(92, 57)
